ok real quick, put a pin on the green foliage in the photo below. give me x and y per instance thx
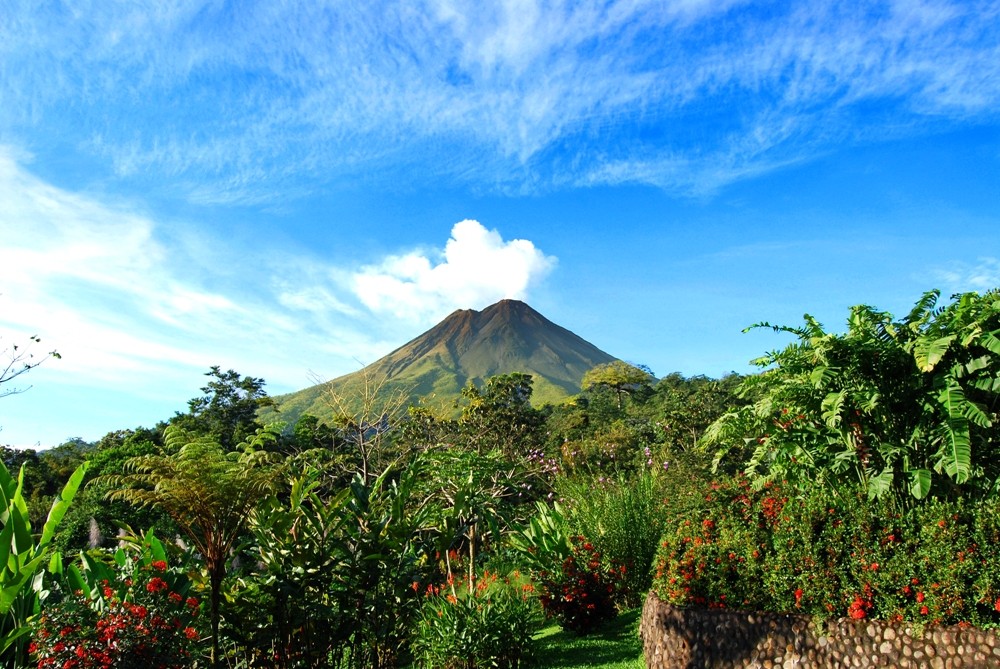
(619, 448)
(290, 611)
(623, 519)
(543, 544)
(580, 593)
(905, 409)
(485, 622)
(336, 586)
(500, 416)
(227, 412)
(620, 377)
(22, 558)
(94, 521)
(474, 499)
(207, 491)
(683, 408)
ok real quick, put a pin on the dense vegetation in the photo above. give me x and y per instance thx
(855, 475)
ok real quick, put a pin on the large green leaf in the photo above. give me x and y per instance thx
(920, 482)
(832, 406)
(928, 352)
(61, 505)
(956, 456)
(990, 341)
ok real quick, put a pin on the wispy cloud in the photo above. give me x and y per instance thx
(960, 277)
(522, 94)
(126, 299)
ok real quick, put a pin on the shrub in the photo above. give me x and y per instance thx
(144, 618)
(488, 623)
(580, 594)
(623, 519)
(843, 556)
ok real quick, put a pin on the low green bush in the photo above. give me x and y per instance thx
(623, 519)
(486, 623)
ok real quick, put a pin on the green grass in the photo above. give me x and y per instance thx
(614, 646)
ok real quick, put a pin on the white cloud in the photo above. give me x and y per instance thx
(476, 268)
(960, 277)
(125, 298)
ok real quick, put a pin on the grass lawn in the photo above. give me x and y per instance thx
(615, 646)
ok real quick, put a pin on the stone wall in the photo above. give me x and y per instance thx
(720, 639)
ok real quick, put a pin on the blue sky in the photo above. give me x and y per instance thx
(293, 190)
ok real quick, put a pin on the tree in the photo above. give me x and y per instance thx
(208, 491)
(366, 418)
(903, 408)
(227, 412)
(500, 416)
(621, 377)
(685, 407)
(19, 359)
(94, 520)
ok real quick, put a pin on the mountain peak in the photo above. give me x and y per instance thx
(468, 345)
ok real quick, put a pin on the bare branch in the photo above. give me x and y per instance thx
(20, 359)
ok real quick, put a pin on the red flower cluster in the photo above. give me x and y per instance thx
(581, 595)
(149, 624)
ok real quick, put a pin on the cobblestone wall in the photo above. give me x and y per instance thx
(720, 639)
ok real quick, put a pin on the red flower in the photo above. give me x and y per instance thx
(924, 610)
(156, 584)
(920, 596)
(159, 565)
(191, 633)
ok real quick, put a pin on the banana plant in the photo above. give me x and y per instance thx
(906, 409)
(23, 557)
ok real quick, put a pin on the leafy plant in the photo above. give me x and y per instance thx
(22, 558)
(289, 611)
(580, 594)
(207, 491)
(623, 519)
(906, 409)
(543, 544)
(485, 622)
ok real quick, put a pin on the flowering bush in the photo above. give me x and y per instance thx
(486, 624)
(144, 618)
(623, 519)
(580, 595)
(843, 556)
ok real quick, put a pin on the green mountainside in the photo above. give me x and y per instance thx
(468, 345)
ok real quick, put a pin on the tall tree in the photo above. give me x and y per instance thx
(208, 491)
(621, 377)
(500, 416)
(227, 412)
